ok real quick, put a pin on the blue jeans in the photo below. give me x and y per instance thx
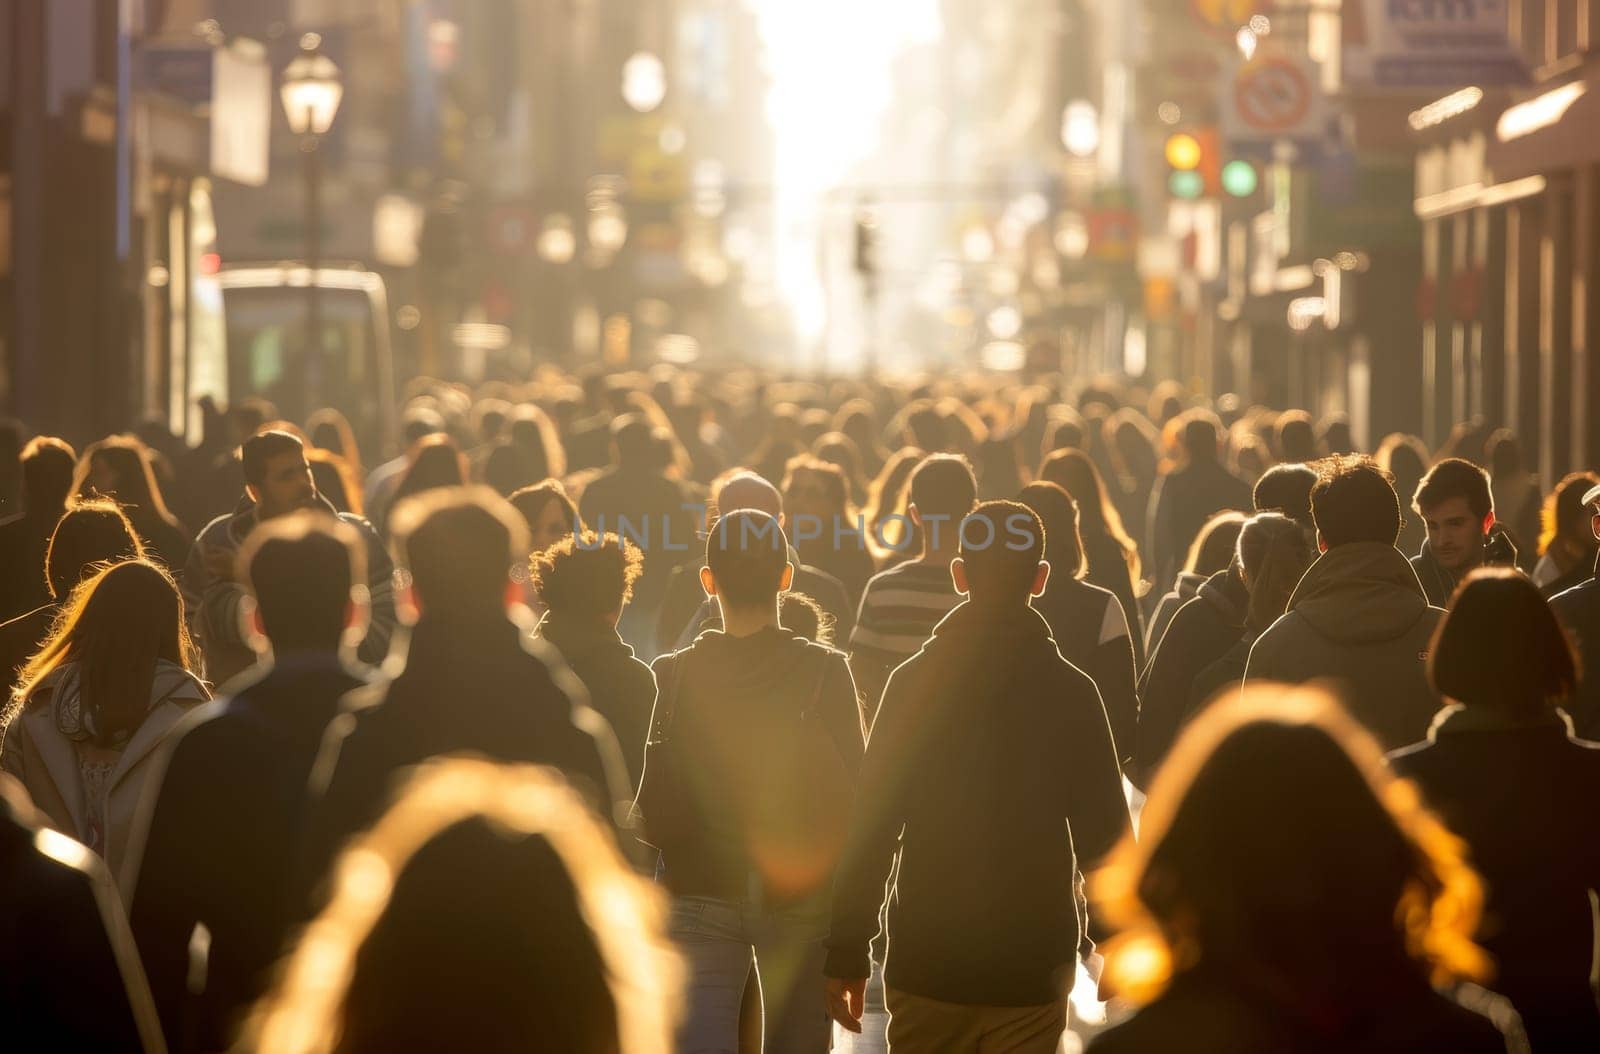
(718, 940)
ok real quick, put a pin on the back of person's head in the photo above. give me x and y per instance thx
(1273, 552)
(533, 502)
(88, 534)
(1002, 543)
(1335, 435)
(419, 422)
(1354, 501)
(1500, 645)
(742, 489)
(586, 577)
(531, 431)
(301, 569)
(1059, 515)
(1200, 435)
(1454, 478)
(330, 430)
(1505, 453)
(119, 467)
(334, 480)
(803, 616)
(1286, 489)
(810, 482)
(943, 485)
(436, 462)
(1212, 548)
(115, 626)
(458, 545)
(1295, 436)
(400, 960)
(48, 465)
(1275, 844)
(634, 441)
(748, 553)
(508, 469)
(259, 449)
(1404, 457)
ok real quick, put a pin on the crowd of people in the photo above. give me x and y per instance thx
(678, 711)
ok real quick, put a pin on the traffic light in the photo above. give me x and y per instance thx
(1240, 178)
(1195, 159)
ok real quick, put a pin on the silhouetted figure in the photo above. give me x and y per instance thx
(1568, 547)
(1504, 772)
(750, 771)
(47, 467)
(330, 430)
(902, 605)
(69, 977)
(1359, 617)
(1184, 499)
(1210, 552)
(277, 482)
(1086, 622)
(1295, 438)
(222, 829)
(991, 777)
(416, 424)
(1579, 611)
(1517, 499)
(1113, 557)
(557, 947)
(1286, 488)
(436, 462)
(823, 521)
(97, 702)
(584, 583)
(119, 468)
(1457, 510)
(1406, 458)
(1282, 898)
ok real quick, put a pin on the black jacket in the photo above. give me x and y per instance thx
(1579, 611)
(69, 974)
(1091, 631)
(1200, 633)
(621, 688)
(1182, 591)
(751, 767)
(24, 539)
(991, 775)
(486, 688)
(1440, 585)
(1180, 505)
(224, 830)
(1358, 619)
(1108, 569)
(1521, 792)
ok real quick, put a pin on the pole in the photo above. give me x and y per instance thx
(313, 174)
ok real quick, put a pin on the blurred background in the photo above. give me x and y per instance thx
(1381, 208)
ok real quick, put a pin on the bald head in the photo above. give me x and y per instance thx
(748, 491)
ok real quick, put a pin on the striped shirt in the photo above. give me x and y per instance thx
(898, 612)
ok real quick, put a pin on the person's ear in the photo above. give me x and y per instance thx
(1322, 546)
(1488, 523)
(1041, 579)
(787, 580)
(958, 575)
(251, 627)
(708, 581)
(513, 594)
(916, 517)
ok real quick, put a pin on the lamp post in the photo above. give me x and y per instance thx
(311, 92)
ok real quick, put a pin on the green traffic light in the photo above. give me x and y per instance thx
(1186, 184)
(1239, 178)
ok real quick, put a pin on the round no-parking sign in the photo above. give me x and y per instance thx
(1274, 97)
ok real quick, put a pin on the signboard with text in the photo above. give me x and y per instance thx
(1436, 44)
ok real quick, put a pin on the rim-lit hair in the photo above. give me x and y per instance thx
(306, 1013)
(587, 575)
(136, 478)
(1275, 841)
(1500, 645)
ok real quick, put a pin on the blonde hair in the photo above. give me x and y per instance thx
(304, 1014)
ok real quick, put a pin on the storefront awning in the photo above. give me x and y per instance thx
(1552, 131)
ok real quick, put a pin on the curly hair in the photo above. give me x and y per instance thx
(586, 575)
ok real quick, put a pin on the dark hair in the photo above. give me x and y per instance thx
(747, 551)
(419, 422)
(1354, 501)
(48, 465)
(530, 502)
(1273, 552)
(1505, 452)
(1074, 471)
(1212, 548)
(530, 431)
(1002, 543)
(1059, 515)
(90, 533)
(330, 430)
(137, 490)
(1455, 478)
(1565, 515)
(586, 576)
(803, 616)
(334, 479)
(635, 441)
(1200, 435)
(459, 544)
(508, 468)
(263, 447)
(301, 568)
(830, 475)
(1500, 645)
(1404, 457)
(436, 462)
(1286, 489)
(943, 485)
(1296, 440)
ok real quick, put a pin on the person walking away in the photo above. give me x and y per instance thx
(991, 778)
(584, 583)
(1457, 510)
(754, 747)
(97, 701)
(119, 468)
(1211, 551)
(1282, 896)
(816, 496)
(47, 467)
(220, 827)
(1184, 499)
(1113, 557)
(1503, 770)
(277, 482)
(1359, 617)
(902, 605)
(1517, 498)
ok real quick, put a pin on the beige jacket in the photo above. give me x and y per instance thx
(45, 760)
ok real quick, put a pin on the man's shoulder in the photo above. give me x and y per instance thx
(1583, 598)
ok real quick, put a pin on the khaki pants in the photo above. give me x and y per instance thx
(918, 1025)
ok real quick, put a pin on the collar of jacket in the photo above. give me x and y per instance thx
(967, 621)
(1430, 566)
(244, 515)
(1225, 592)
(576, 636)
(1457, 719)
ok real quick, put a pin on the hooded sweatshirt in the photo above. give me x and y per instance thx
(751, 765)
(1183, 591)
(621, 688)
(1359, 619)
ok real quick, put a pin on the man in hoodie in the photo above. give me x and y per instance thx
(1359, 617)
(1579, 611)
(750, 771)
(475, 679)
(1457, 508)
(992, 778)
(220, 827)
(277, 482)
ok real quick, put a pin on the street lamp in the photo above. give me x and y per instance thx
(311, 93)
